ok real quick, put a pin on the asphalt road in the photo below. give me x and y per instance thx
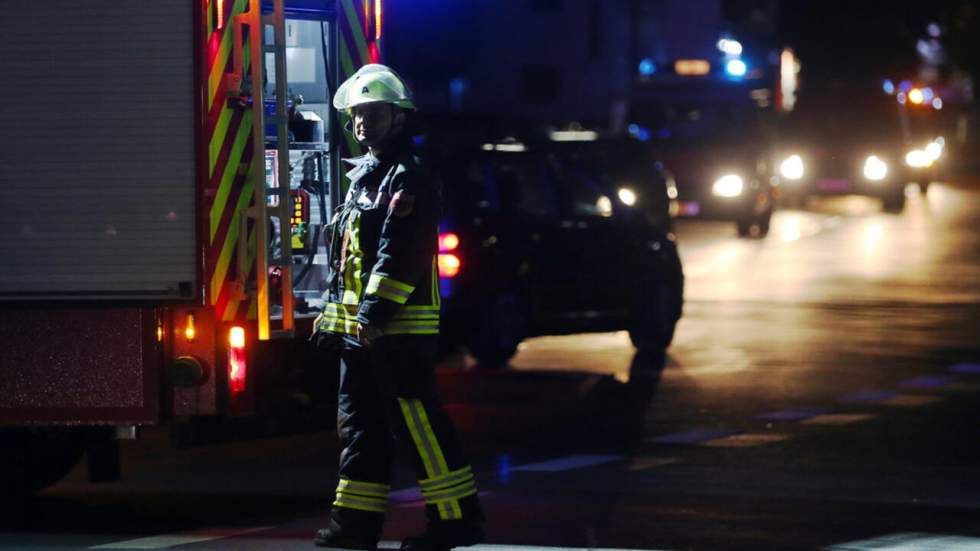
(822, 392)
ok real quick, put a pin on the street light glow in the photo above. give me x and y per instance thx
(916, 96)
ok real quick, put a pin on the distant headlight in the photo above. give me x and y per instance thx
(875, 169)
(792, 167)
(603, 206)
(729, 185)
(627, 196)
(918, 158)
(671, 188)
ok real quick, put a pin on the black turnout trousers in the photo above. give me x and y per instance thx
(388, 393)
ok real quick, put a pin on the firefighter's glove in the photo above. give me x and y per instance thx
(367, 334)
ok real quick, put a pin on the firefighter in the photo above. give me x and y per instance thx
(382, 315)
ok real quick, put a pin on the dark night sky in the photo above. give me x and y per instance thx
(856, 40)
(871, 39)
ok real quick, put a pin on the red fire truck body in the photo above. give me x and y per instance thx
(163, 250)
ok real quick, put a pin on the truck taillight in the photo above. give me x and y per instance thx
(237, 367)
(448, 242)
(449, 265)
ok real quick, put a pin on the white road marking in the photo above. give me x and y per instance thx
(748, 440)
(170, 540)
(568, 463)
(838, 419)
(642, 464)
(907, 400)
(503, 547)
(911, 540)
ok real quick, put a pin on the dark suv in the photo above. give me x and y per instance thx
(554, 239)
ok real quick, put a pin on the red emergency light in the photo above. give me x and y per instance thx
(237, 366)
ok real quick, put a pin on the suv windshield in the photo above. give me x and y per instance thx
(520, 185)
(684, 122)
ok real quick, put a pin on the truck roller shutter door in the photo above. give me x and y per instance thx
(97, 150)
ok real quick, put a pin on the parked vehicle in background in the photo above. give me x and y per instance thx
(542, 238)
(845, 140)
(713, 137)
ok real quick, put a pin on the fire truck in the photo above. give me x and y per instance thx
(166, 173)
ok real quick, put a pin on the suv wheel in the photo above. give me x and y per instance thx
(33, 459)
(894, 202)
(658, 306)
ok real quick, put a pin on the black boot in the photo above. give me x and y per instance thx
(444, 535)
(350, 529)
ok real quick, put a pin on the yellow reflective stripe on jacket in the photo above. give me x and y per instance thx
(354, 262)
(411, 311)
(408, 320)
(338, 318)
(388, 288)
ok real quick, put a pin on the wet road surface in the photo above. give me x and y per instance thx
(822, 392)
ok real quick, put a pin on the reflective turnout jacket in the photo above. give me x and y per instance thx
(383, 250)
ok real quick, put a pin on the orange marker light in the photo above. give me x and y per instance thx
(220, 6)
(689, 67)
(916, 96)
(448, 242)
(377, 19)
(449, 265)
(159, 332)
(190, 331)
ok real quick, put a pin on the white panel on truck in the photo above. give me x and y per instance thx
(97, 153)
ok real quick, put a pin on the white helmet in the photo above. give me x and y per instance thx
(373, 83)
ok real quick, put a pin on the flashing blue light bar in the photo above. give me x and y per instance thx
(647, 67)
(736, 68)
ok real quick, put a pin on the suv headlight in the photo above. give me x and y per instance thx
(729, 185)
(875, 169)
(792, 167)
(918, 158)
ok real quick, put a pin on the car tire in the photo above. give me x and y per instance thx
(501, 326)
(743, 227)
(894, 203)
(763, 224)
(33, 459)
(658, 306)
